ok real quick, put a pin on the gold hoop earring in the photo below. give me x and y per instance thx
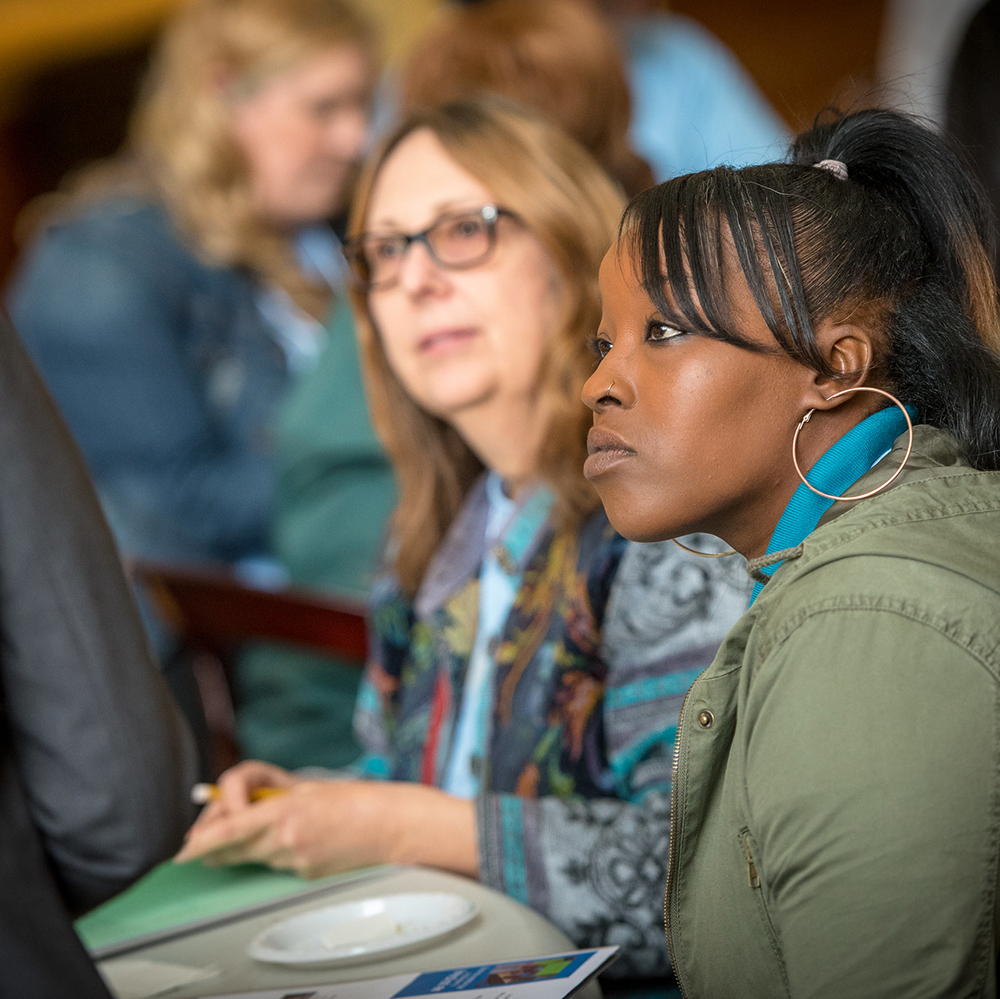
(871, 492)
(732, 551)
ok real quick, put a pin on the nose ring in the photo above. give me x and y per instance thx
(607, 391)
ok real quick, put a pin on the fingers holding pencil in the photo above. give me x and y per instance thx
(202, 794)
(240, 787)
(228, 837)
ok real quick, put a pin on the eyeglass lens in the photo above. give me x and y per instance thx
(458, 240)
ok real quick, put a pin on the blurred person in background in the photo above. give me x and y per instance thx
(559, 58)
(334, 494)
(527, 664)
(562, 59)
(173, 295)
(693, 105)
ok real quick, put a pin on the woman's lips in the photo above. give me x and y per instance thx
(606, 450)
(441, 341)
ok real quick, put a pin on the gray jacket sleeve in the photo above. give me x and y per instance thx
(105, 759)
(597, 867)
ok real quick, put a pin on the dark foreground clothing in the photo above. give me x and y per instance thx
(95, 762)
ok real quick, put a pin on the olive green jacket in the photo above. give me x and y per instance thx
(836, 802)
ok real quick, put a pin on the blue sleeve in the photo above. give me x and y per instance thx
(693, 105)
(109, 313)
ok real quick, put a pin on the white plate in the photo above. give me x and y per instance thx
(363, 930)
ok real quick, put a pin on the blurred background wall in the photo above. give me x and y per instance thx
(69, 68)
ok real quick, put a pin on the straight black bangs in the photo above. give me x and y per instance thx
(898, 246)
(687, 235)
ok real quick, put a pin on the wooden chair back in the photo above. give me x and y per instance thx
(212, 613)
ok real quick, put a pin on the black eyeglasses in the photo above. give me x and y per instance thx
(456, 241)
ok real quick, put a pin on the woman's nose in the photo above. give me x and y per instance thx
(419, 273)
(601, 389)
(347, 134)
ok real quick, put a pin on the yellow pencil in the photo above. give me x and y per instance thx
(202, 794)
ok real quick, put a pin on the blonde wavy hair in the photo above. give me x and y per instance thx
(180, 146)
(569, 203)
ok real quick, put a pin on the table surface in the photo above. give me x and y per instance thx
(503, 930)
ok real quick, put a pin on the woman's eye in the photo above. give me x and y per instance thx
(660, 331)
(386, 249)
(600, 346)
(464, 228)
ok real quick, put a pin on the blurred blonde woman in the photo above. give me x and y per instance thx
(527, 663)
(173, 294)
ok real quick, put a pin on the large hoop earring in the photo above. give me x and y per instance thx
(871, 492)
(732, 551)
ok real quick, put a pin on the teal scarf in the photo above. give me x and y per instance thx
(840, 467)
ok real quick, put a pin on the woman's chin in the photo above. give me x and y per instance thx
(633, 527)
(451, 402)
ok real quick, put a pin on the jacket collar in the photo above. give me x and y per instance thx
(840, 466)
(461, 553)
(933, 450)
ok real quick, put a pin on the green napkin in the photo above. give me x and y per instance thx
(177, 898)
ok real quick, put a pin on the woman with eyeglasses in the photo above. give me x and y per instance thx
(527, 664)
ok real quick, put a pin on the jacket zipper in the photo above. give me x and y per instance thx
(672, 852)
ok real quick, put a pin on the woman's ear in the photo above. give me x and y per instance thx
(849, 351)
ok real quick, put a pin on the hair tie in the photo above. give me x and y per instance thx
(836, 167)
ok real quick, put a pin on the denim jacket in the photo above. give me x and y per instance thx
(166, 373)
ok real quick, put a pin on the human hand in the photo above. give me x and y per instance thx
(242, 784)
(322, 827)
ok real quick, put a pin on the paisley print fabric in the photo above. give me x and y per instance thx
(591, 667)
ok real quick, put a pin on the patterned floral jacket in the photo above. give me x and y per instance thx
(591, 667)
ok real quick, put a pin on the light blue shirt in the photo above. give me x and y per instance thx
(497, 589)
(299, 335)
(693, 105)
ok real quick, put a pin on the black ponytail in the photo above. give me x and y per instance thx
(904, 244)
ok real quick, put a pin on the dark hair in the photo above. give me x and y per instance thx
(903, 245)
